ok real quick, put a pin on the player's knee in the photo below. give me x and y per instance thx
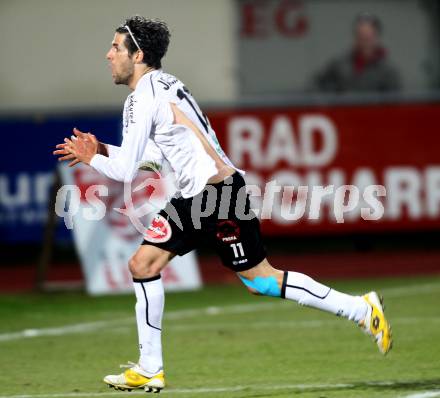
(134, 266)
(140, 268)
(155, 268)
(262, 286)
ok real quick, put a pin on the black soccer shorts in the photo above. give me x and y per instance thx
(229, 226)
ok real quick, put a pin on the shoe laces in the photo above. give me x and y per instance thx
(128, 365)
(137, 368)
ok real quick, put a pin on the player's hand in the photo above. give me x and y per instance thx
(65, 155)
(102, 148)
(63, 149)
(83, 146)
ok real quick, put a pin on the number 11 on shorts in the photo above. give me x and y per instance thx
(238, 249)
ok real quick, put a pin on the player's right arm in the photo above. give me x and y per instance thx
(124, 162)
(112, 150)
(137, 127)
(121, 163)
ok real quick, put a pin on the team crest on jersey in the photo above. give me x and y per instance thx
(228, 231)
(159, 230)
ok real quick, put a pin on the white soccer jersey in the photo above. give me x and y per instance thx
(149, 133)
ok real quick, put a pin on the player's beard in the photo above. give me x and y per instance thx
(125, 75)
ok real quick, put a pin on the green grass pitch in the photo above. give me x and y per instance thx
(223, 342)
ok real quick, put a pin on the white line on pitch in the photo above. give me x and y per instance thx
(173, 315)
(412, 290)
(119, 327)
(286, 324)
(190, 313)
(253, 387)
(426, 394)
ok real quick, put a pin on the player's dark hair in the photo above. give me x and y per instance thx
(372, 19)
(152, 35)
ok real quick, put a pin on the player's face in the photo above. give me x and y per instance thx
(121, 64)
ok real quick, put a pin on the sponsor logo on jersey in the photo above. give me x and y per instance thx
(129, 110)
(159, 230)
(232, 238)
(237, 262)
(228, 231)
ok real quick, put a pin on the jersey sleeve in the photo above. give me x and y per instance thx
(163, 115)
(113, 150)
(138, 120)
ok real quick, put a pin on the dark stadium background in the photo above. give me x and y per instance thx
(291, 100)
(276, 48)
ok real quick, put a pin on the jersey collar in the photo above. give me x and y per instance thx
(145, 78)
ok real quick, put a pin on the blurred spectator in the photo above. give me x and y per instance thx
(365, 67)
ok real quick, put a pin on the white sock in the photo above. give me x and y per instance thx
(149, 310)
(305, 291)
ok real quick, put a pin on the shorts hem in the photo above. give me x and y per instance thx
(247, 266)
(162, 246)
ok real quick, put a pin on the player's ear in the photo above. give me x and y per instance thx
(139, 56)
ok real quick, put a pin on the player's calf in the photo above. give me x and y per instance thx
(265, 280)
(367, 311)
(262, 286)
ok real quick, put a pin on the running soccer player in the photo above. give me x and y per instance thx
(161, 115)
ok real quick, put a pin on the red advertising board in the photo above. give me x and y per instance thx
(394, 146)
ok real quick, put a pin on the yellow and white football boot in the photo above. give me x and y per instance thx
(375, 324)
(133, 378)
